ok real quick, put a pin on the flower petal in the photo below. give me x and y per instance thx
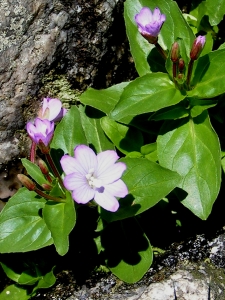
(86, 157)
(107, 201)
(144, 17)
(54, 106)
(74, 180)
(70, 165)
(113, 173)
(117, 189)
(83, 194)
(105, 160)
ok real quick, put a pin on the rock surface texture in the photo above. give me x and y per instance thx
(36, 37)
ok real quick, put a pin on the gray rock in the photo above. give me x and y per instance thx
(37, 37)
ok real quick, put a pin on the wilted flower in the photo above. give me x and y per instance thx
(41, 131)
(92, 176)
(52, 110)
(197, 47)
(149, 24)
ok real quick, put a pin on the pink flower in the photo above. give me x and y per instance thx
(41, 131)
(92, 176)
(52, 110)
(149, 24)
(197, 47)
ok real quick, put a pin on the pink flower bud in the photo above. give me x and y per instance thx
(52, 110)
(41, 131)
(197, 47)
(175, 52)
(44, 168)
(181, 65)
(46, 186)
(150, 23)
(27, 182)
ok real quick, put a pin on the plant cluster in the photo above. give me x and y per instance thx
(125, 148)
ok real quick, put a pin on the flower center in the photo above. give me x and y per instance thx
(92, 181)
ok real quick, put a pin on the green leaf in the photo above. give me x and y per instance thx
(174, 112)
(34, 171)
(22, 227)
(147, 184)
(128, 251)
(104, 100)
(215, 10)
(124, 138)
(209, 77)
(191, 148)
(175, 26)
(45, 281)
(146, 94)
(90, 119)
(69, 132)
(14, 292)
(60, 219)
(12, 274)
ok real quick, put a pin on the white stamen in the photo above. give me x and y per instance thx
(92, 181)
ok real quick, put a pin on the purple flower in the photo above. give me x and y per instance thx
(92, 176)
(52, 110)
(149, 24)
(40, 131)
(197, 47)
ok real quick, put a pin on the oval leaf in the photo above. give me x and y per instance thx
(34, 171)
(146, 94)
(22, 228)
(191, 148)
(125, 139)
(128, 251)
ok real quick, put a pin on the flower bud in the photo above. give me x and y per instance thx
(41, 131)
(197, 47)
(52, 110)
(181, 65)
(150, 23)
(175, 52)
(46, 186)
(44, 168)
(27, 182)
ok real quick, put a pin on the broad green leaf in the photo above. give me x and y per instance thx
(22, 227)
(34, 171)
(90, 119)
(125, 139)
(69, 132)
(215, 10)
(209, 76)
(146, 94)
(128, 251)
(147, 184)
(46, 281)
(174, 112)
(60, 219)
(174, 27)
(191, 148)
(14, 292)
(104, 100)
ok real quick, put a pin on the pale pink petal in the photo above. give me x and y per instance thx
(86, 158)
(113, 173)
(117, 189)
(83, 194)
(54, 106)
(105, 160)
(106, 201)
(156, 14)
(75, 180)
(31, 129)
(144, 17)
(70, 165)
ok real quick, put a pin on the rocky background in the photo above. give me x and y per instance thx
(55, 48)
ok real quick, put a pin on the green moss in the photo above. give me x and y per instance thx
(57, 86)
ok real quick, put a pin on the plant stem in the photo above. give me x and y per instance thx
(161, 51)
(46, 196)
(54, 169)
(190, 68)
(32, 152)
